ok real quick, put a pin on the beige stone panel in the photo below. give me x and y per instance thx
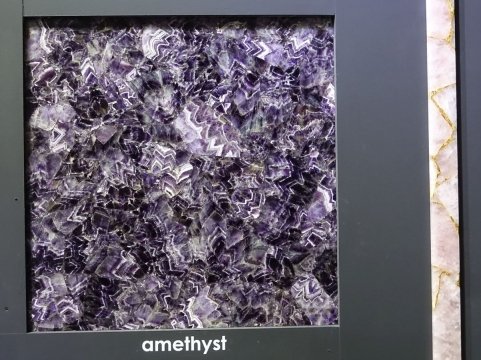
(447, 337)
(440, 14)
(441, 64)
(445, 251)
(447, 160)
(448, 195)
(439, 129)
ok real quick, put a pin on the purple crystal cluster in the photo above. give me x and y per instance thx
(181, 172)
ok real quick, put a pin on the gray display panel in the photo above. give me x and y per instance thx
(383, 181)
(12, 211)
(469, 78)
(383, 195)
(179, 7)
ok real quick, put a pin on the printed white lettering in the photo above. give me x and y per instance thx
(178, 345)
(190, 343)
(163, 344)
(206, 346)
(148, 345)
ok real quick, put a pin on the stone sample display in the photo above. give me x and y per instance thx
(181, 172)
(444, 180)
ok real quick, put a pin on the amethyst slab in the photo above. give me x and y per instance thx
(181, 172)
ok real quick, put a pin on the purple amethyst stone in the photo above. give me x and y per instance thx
(181, 172)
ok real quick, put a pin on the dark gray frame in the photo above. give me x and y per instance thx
(469, 130)
(383, 189)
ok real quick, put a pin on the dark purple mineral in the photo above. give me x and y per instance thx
(181, 172)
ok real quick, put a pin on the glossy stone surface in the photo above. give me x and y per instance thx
(181, 173)
(444, 180)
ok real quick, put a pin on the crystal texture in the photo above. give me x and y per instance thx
(181, 172)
